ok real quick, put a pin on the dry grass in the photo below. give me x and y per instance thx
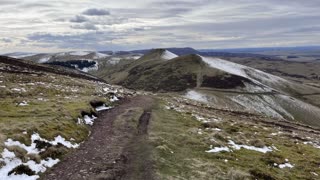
(180, 149)
(19, 152)
(234, 174)
(54, 104)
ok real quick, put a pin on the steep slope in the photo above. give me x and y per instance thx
(259, 77)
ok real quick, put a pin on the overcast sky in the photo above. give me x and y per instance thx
(63, 25)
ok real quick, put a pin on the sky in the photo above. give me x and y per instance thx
(65, 25)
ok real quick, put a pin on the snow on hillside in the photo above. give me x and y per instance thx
(79, 53)
(44, 59)
(61, 54)
(299, 107)
(98, 55)
(9, 160)
(95, 67)
(194, 95)
(114, 60)
(167, 55)
(254, 75)
(136, 57)
(262, 104)
(20, 55)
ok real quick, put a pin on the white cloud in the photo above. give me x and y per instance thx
(110, 25)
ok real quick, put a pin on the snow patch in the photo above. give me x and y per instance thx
(102, 108)
(167, 55)
(194, 95)
(32, 148)
(44, 59)
(92, 68)
(21, 55)
(238, 147)
(42, 166)
(254, 75)
(23, 103)
(79, 53)
(19, 89)
(114, 60)
(218, 149)
(136, 57)
(313, 144)
(98, 55)
(63, 141)
(235, 146)
(11, 161)
(281, 166)
(89, 120)
(114, 98)
(261, 104)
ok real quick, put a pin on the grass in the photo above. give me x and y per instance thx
(179, 151)
(54, 104)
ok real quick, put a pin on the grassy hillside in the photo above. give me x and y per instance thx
(48, 103)
(198, 129)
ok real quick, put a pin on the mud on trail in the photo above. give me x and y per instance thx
(116, 149)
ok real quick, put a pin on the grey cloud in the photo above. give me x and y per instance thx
(79, 19)
(9, 2)
(86, 26)
(138, 29)
(91, 40)
(36, 5)
(180, 3)
(96, 12)
(6, 40)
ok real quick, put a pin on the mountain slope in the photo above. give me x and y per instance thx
(220, 83)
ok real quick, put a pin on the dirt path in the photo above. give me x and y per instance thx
(116, 149)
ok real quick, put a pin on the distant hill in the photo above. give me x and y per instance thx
(213, 53)
(264, 49)
(21, 64)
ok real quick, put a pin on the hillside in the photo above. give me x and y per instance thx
(46, 112)
(185, 117)
(221, 83)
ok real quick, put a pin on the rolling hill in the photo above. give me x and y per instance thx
(204, 118)
(221, 83)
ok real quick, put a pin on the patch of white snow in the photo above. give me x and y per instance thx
(103, 107)
(281, 166)
(44, 59)
(79, 53)
(167, 55)
(89, 120)
(238, 147)
(218, 149)
(194, 95)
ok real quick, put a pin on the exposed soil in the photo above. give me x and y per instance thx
(116, 149)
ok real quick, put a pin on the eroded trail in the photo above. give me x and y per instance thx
(116, 149)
